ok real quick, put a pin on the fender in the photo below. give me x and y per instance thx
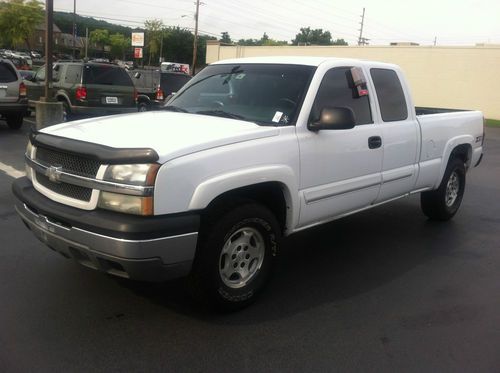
(210, 189)
(62, 94)
(448, 148)
(143, 98)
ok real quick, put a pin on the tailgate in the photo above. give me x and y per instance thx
(108, 86)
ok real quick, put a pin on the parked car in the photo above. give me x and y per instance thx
(13, 101)
(153, 87)
(87, 88)
(252, 150)
(19, 62)
(26, 56)
(36, 55)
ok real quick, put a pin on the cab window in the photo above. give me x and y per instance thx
(338, 90)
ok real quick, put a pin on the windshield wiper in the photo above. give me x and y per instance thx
(221, 113)
(175, 108)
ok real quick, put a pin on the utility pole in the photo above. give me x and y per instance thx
(48, 111)
(195, 43)
(361, 40)
(86, 41)
(74, 29)
(49, 41)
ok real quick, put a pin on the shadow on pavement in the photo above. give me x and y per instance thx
(330, 264)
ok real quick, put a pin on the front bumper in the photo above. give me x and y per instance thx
(139, 248)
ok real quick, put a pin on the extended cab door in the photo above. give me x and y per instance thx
(340, 169)
(400, 133)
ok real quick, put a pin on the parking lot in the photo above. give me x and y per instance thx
(384, 290)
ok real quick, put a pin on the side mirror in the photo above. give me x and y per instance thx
(334, 118)
(137, 75)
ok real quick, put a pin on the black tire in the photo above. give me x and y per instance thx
(439, 204)
(15, 121)
(66, 112)
(142, 107)
(221, 245)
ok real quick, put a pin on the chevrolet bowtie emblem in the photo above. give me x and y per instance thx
(54, 174)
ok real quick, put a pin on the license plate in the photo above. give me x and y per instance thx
(111, 100)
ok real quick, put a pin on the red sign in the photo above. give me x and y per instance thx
(137, 52)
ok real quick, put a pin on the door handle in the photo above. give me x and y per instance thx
(374, 142)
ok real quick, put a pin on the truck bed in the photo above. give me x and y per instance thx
(420, 110)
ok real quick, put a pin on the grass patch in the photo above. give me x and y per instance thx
(492, 123)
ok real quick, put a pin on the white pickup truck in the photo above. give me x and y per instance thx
(249, 151)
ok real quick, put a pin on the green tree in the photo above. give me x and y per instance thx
(340, 42)
(154, 33)
(119, 45)
(264, 40)
(99, 37)
(226, 39)
(312, 37)
(18, 19)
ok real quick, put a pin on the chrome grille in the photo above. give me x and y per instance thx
(67, 190)
(70, 163)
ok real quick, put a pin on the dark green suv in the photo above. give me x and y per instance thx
(87, 88)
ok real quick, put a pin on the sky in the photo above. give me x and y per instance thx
(449, 22)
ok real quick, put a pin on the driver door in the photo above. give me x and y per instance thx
(340, 169)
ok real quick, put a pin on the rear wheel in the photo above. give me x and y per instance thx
(66, 112)
(444, 202)
(142, 107)
(235, 256)
(15, 121)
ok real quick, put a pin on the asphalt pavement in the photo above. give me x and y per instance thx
(383, 290)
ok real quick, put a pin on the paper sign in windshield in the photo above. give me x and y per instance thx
(277, 117)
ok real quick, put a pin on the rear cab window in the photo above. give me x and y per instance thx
(106, 75)
(7, 73)
(390, 95)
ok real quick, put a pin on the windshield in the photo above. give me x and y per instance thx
(267, 94)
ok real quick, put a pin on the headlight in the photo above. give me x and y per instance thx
(29, 153)
(125, 203)
(134, 174)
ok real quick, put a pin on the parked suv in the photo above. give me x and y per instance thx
(13, 101)
(153, 87)
(87, 88)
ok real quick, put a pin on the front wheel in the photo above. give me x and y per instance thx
(443, 203)
(235, 256)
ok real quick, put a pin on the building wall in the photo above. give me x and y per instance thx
(449, 77)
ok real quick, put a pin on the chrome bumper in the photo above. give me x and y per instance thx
(157, 259)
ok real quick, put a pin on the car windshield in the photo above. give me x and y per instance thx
(267, 94)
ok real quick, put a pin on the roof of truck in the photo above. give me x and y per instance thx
(298, 60)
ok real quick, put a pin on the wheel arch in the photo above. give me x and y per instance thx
(143, 99)
(274, 187)
(63, 96)
(460, 147)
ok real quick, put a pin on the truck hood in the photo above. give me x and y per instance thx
(170, 134)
